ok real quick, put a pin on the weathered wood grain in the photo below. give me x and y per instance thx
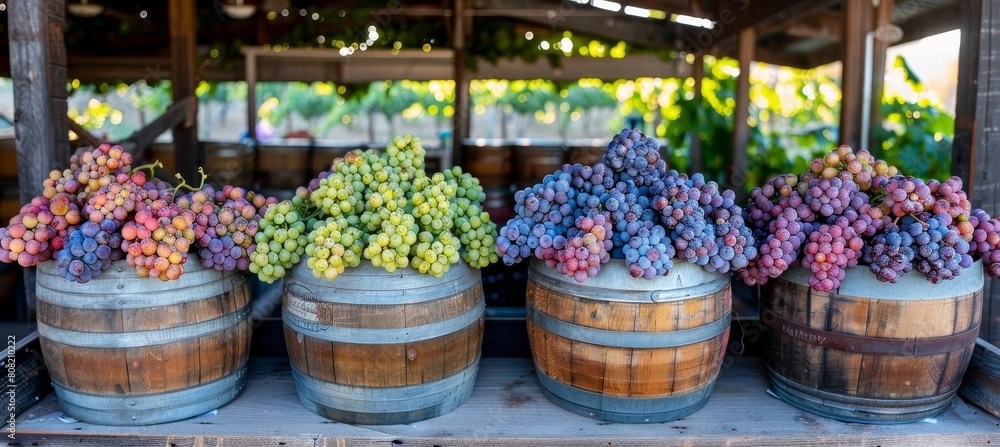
(508, 409)
(981, 385)
(628, 371)
(41, 129)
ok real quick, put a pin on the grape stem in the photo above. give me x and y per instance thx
(150, 167)
(184, 183)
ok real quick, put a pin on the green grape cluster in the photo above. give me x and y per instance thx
(280, 241)
(390, 247)
(434, 254)
(384, 202)
(333, 245)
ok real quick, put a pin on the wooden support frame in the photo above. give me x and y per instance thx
(741, 129)
(697, 158)
(853, 108)
(977, 128)
(40, 122)
(188, 152)
(460, 120)
(175, 116)
(883, 17)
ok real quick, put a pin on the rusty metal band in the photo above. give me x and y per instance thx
(867, 345)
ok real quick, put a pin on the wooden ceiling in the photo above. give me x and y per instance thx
(797, 33)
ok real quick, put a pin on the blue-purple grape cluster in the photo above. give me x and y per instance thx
(940, 253)
(890, 254)
(635, 156)
(651, 216)
(89, 250)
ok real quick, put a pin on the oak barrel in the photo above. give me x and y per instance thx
(532, 163)
(225, 163)
(625, 349)
(372, 347)
(124, 350)
(871, 351)
(490, 163)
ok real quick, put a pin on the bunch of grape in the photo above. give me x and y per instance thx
(905, 195)
(389, 247)
(157, 241)
(861, 167)
(517, 239)
(830, 251)
(333, 246)
(830, 197)
(634, 156)
(940, 253)
(226, 229)
(779, 248)
(648, 252)
(88, 251)
(280, 241)
(950, 199)
(986, 241)
(585, 251)
(94, 168)
(434, 254)
(890, 254)
(39, 229)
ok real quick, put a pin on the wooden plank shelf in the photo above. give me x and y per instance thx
(508, 409)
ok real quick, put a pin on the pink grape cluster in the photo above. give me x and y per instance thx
(830, 251)
(585, 251)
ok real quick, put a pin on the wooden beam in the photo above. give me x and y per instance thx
(84, 134)
(732, 17)
(582, 19)
(857, 24)
(977, 128)
(173, 117)
(187, 152)
(699, 73)
(38, 61)
(460, 120)
(933, 22)
(741, 130)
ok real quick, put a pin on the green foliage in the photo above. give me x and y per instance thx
(917, 136)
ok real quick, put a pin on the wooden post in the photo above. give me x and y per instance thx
(977, 128)
(857, 23)
(883, 17)
(460, 122)
(188, 154)
(699, 73)
(38, 69)
(963, 153)
(741, 130)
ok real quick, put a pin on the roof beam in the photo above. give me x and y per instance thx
(733, 16)
(583, 19)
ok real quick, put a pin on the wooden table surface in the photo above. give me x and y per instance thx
(508, 409)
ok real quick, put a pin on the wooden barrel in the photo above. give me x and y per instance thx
(124, 350)
(532, 163)
(225, 163)
(499, 203)
(586, 155)
(491, 164)
(283, 166)
(625, 349)
(372, 347)
(871, 352)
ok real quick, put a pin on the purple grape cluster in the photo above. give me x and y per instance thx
(940, 253)
(89, 250)
(830, 197)
(830, 251)
(635, 156)
(986, 240)
(890, 254)
(650, 216)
